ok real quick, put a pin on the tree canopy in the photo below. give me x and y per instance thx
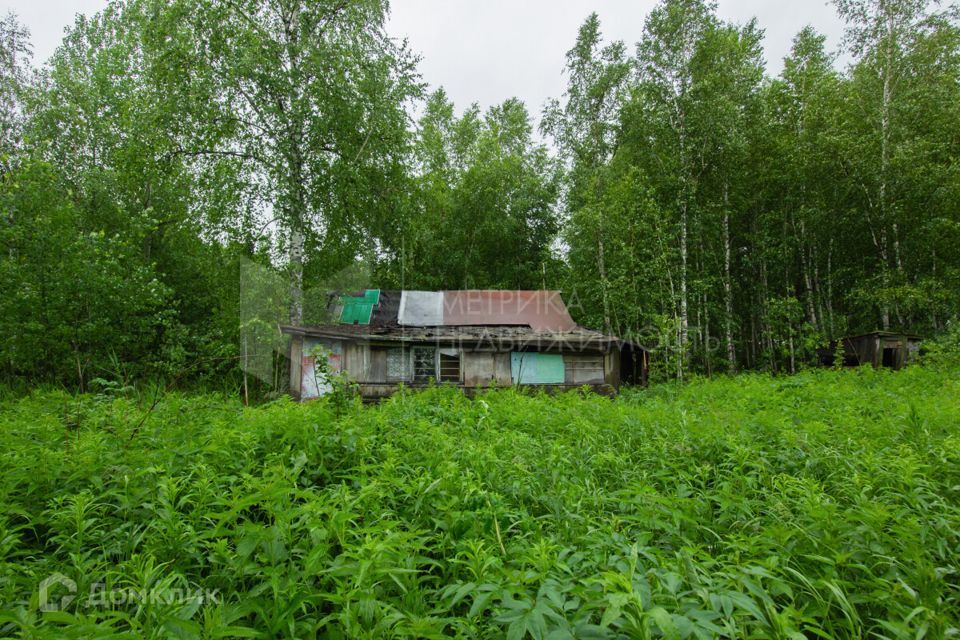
(676, 192)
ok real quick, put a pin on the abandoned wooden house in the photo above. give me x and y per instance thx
(472, 339)
(878, 348)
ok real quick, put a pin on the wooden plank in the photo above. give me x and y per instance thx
(378, 366)
(584, 368)
(501, 369)
(356, 360)
(612, 368)
(478, 368)
(296, 365)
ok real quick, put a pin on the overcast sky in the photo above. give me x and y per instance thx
(486, 51)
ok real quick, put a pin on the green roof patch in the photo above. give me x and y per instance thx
(359, 309)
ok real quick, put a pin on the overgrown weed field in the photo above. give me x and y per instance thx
(822, 505)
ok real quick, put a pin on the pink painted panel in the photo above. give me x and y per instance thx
(541, 310)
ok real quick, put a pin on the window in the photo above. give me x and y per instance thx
(449, 365)
(424, 364)
(397, 369)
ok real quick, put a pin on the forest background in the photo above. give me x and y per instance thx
(182, 176)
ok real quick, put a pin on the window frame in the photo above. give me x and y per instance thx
(432, 375)
(408, 357)
(459, 360)
(405, 376)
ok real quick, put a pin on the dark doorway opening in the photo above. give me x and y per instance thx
(633, 365)
(890, 357)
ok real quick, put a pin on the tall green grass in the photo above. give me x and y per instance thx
(824, 505)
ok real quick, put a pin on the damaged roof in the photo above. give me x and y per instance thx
(480, 318)
(540, 310)
(477, 337)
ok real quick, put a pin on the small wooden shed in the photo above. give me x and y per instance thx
(878, 348)
(470, 339)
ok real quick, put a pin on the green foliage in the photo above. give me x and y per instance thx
(690, 200)
(14, 65)
(82, 294)
(344, 392)
(765, 215)
(824, 505)
(168, 145)
(484, 213)
(946, 348)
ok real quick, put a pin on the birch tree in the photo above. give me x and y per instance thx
(880, 31)
(15, 57)
(312, 93)
(666, 54)
(584, 130)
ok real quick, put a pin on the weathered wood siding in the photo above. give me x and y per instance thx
(377, 371)
(480, 368)
(296, 366)
(368, 366)
(356, 361)
(611, 368)
(501, 368)
(584, 368)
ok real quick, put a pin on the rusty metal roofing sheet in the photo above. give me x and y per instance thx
(540, 310)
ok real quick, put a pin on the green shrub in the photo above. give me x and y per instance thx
(822, 505)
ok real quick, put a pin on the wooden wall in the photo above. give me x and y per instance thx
(296, 366)
(481, 368)
(367, 365)
(585, 368)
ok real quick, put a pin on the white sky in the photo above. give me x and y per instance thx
(486, 51)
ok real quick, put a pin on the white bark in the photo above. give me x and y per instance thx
(684, 313)
(728, 295)
(296, 276)
(885, 154)
(602, 267)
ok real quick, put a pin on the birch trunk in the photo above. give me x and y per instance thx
(805, 259)
(295, 266)
(885, 156)
(728, 291)
(684, 313)
(602, 268)
(297, 212)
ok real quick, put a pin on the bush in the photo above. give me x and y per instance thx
(822, 505)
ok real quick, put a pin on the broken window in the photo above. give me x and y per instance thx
(424, 364)
(449, 365)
